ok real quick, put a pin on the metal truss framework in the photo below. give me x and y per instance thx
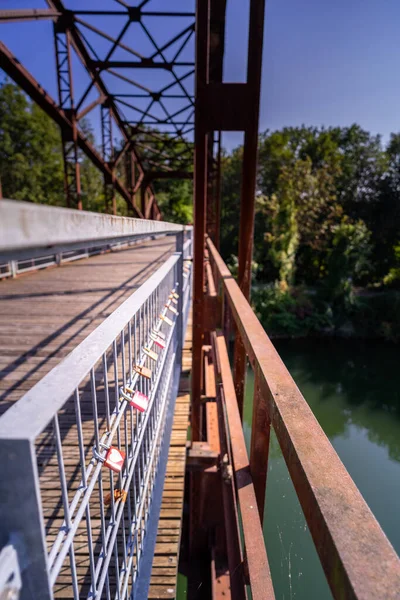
(157, 136)
(153, 123)
(156, 126)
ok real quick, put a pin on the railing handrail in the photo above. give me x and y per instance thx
(27, 229)
(347, 536)
(28, 417)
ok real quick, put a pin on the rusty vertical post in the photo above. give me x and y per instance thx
(210, 204)
(130, 175)
(259, 445)
(143, 199)
(108, 156)
(249, 177)
(72, 179)
(200, 197)
(218, 182)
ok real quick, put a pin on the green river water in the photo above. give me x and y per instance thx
(353, 389)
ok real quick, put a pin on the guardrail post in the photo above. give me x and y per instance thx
(21, 519)
(259, 445)
(13, 268)
(10, 577)
(180, 333)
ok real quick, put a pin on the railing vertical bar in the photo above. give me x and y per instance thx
(111, 478)
(64, 493)
(99, 477)
(84, 482)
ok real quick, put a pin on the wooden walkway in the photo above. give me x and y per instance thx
(43, 316)
(164, 574)
(47, 313)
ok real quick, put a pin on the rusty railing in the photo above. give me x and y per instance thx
(358, 560)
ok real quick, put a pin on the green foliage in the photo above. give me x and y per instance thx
(327, 218)
(347, 257)
(392, 279)
(230, 194)
(31, 161)
(327, 212)
(31, 166)
(175, 200)
(290, 312)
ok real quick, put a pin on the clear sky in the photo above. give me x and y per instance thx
(326, 62)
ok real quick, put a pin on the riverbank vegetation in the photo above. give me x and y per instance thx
(327, 223)
(327, 231)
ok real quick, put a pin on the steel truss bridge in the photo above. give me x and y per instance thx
(113, 328)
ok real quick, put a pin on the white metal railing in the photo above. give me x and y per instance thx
(62, 494)
(35, 236)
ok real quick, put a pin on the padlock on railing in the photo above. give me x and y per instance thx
(172, 309)
(135, 398)
(143, 371)
(114, 458)
(166, 320)
(150, 353)
(158, 341)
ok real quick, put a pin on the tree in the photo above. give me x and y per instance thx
(31, 166)
(175, 199)
(230, 203)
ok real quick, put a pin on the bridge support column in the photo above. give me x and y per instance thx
(249, 179)
(200, 208)
(72, 179)
(21, 522)
(108, 156)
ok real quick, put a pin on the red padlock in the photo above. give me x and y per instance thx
(139, 401)
(115, 459)
(135, 398)
(158, 341)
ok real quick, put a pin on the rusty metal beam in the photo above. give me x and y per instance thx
(12, 66)
(87, 62)
(259, 445)
(138, 64)
(66, 102)
(358, 560)
(231, 515)
(217, 194)
(249, 176)
(255, 552)
(28, 14)
(100, 100)
(200, 202)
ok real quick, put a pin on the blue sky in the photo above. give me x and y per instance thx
(325, 62)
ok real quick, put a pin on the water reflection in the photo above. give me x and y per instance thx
(353, 389)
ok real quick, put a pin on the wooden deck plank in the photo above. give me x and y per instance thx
(45, 314)
(174, 487)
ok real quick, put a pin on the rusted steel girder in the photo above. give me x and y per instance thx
(71, 19)
(255, 553)
(28, 83)
(72, 177)
(358, 559)
(66, 20)
(28, 14)
(200, 207)
(109, 157)
(249, 177)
